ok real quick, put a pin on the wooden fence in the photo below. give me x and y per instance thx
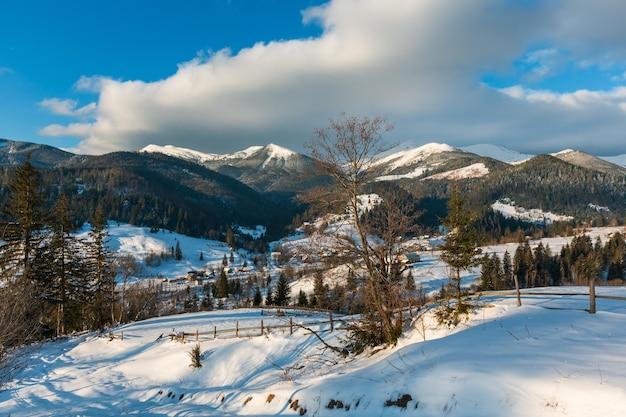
(263, 328)
(591, 294)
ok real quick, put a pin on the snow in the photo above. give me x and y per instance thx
(412, 155)
(509, 210)
(471, 171)
(617, 160)
(279, 152)
(413, 174)
(199, 157)
(498, 153)
(548, 357)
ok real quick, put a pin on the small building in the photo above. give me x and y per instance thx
(410, 258)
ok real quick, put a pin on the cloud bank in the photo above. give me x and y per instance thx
(421, 63)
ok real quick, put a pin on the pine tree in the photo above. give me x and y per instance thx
(460, 249)
(222, 285)
(410, 282)
(281, 295)
(258, 298)
(61, 275)
(178, 253)
(25, 221)
(269, 299)
(302, 299)
(101, 273)
(507, 271)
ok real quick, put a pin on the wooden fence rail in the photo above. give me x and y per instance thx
(256, 331)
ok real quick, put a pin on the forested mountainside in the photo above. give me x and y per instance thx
(204, 194)
(158, 191)
(543, 182)
(14, 153)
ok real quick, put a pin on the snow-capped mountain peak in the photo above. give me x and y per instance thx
(410, 156)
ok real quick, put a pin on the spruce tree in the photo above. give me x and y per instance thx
(281, 295)
(61, 277)
(460, 249)
(178, 253)
(101, 273)
(24, 218)
(258, 298)
(222, 285)
(269, 299)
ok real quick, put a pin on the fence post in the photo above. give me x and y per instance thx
(519, 300)
(261, 327)
(214, 332)
(290, 326)
(592, 296)
(332, 325)
(196, 335)
(237, 328)
(122, 334)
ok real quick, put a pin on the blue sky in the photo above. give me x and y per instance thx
(219, 75)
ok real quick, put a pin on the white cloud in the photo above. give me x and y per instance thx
(416, 62)
(91, 84)
(75, 129)
(66, 107)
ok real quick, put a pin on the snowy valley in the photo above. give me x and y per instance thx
(547, 357)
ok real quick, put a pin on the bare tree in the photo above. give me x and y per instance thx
(347, 151)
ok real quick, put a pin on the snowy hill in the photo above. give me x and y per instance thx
(498, 153)
(421, 161)
(548, 357)
(545, 358)
(617, 160)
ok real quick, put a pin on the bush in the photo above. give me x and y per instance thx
(196, 357)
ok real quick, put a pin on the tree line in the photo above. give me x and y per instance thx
(56, 282)
(578, 262)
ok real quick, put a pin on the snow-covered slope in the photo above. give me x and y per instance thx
(420, 161)
(617, 160)
(201, 157)
(476, 170)
(498, 153)
(589, 161)
(548, 357)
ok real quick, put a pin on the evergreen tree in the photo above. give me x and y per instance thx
(24, 218)
(281, 295)
(269, 298)
(61, 275)
(507, 271)
(101, 273)
(410, 282)
(258, 298)
(222, 285)
(178, 253)
(460, 249)
(320, 291)
(302, 299)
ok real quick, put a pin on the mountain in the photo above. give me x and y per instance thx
(269, 168)
(552, 184)
(158, 190)
(422, 162)
(14, 153)
(499, 153)
(617, 159)
(589, 161)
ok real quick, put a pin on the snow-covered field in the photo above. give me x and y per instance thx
(549, 357)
